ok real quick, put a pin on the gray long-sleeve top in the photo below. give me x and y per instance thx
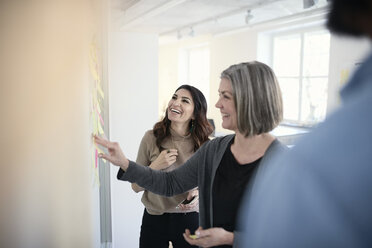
(198, 171)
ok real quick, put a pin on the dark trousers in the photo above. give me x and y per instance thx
(158, 230)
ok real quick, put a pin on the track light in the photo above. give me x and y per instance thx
(309, 3)
(248, 17)
(191, 33)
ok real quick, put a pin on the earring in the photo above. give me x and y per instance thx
(192, 126)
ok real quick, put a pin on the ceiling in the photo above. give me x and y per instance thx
(177, 19)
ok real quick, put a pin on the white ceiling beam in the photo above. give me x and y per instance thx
(157, 10)
(318, 14)
(223, 15)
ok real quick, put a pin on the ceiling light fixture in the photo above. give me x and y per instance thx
(191, 33)
(248, 17)
(309, 3)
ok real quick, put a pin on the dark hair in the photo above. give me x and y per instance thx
(200, 128)
(257, 97)
(349, 17)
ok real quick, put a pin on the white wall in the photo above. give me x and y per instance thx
(169, 56)
(227, 50)
(45, 169)
(133, 90)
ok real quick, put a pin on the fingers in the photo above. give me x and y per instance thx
(193, 239)
(197, 232)
(100, 141)
(113, 146)
(189, 237)
(171, 160)
(166, 158)
(191, 195)
(170, 155)
(105, 143)
(104, 156)
(194, 203)
(183, 207)
(194, 193)
(172, 152)
(186, 207)
(114, 155)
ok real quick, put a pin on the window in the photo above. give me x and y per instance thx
(194, 68)
(300, 61)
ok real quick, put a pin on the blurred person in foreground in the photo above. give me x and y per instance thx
(319, 194)
(250, 102)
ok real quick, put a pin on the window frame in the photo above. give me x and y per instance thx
(301, 31)
(184, 68)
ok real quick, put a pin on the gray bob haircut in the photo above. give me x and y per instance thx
(257, 97)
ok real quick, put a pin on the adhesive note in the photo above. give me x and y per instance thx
(93, 62)
(100, 91)
(96, 159)
(100, 117)
(99, 150)
(96, 107)
(95, 126)
(100, 129)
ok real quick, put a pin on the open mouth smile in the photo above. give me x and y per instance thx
(175, 111)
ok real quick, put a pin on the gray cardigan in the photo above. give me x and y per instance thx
(198, 171)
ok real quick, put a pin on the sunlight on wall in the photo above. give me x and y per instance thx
(45, 168)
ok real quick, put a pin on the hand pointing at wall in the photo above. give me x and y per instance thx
(115, 154)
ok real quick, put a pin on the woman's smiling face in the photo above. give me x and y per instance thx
(226, 105)
(181, 107)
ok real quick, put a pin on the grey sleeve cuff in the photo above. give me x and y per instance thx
(129, 173)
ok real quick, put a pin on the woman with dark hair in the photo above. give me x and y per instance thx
(171, 142)
(250, 103)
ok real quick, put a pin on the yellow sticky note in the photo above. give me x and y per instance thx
(100, 129)
(95, 126)
(100, 91)
(98, 108)
(98, 149)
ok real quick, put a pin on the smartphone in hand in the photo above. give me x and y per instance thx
(188, 201)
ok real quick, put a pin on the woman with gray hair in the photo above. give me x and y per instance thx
(250, 103)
